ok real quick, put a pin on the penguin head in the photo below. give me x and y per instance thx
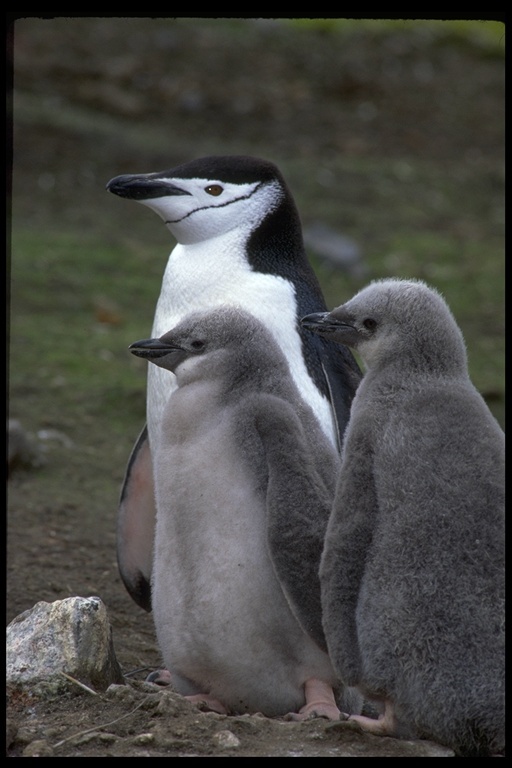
(181, 353)
(208, 196)
(206, 344)
(395, 318)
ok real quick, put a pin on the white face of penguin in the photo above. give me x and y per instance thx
(207, 208)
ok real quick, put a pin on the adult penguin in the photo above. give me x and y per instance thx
(413, 567)
(239, 242)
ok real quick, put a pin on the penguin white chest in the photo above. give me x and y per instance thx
(214, 273)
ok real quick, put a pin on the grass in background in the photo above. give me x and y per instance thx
(85, 280)
(488, 35)
(71, 351)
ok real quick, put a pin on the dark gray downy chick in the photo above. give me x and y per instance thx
(244, 479)
(413, 574)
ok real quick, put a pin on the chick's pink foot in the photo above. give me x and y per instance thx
(159, 677)
(203, 700)
(320, 702)
(384, 725)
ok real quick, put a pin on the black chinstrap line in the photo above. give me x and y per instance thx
(223, 205)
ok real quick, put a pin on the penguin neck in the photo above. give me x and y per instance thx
(202, 274)
(189, 237)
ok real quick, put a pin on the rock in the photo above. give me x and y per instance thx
(55, 435)
(11, 731)
(226, 740)
(23, 451)
(171, 704)
(121, 693)
(39, 748)
(68, 637)
(144, 738)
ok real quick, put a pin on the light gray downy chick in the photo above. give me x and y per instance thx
(244, 479)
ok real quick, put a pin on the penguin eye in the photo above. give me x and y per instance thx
(214, 189)
(370, 323)
(197, 344)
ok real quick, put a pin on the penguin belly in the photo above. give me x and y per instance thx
(223, 624)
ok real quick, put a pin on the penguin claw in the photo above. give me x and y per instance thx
(320, 702)
(207, 703)
(204, 701)
(319, 709)
(160, 677)
(385, 725)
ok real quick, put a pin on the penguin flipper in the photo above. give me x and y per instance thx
(298, 507)
(136, 523)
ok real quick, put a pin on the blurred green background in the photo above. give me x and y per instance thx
(390, 133)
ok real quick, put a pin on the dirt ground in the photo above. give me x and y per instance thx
(62, 543)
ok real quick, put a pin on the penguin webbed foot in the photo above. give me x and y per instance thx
(204, 701)
(160, 677)
(207, 703)
(320, 702)
(385, 724)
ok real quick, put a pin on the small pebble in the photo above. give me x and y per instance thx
(226, 740)
(144, 738)
(38, 748)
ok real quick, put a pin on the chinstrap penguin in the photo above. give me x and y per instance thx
(239, 242)
(412, 573)
(244, 479)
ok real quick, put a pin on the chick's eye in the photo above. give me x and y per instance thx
(214, 189)
(197, 344)
(369, 323)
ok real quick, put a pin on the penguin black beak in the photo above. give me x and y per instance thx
(312, 321)
(142, 186)
(152, 349)
(324, 323)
